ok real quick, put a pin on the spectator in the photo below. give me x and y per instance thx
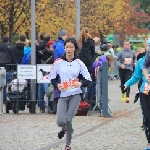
(49, 45)
(59, 44)
(111, 50)
(87, 48)
(6, 57)
(42, 87)
(87, 54)
(18, 49)
(73, 36)
(97, 44)
(27, 53)
(97, 47)
(50, 54)
(42, 46)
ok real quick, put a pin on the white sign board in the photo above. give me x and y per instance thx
(26, 71)
(43, 71)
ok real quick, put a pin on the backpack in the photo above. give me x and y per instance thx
(26, 58)
(83, 108)
(50, 60)
(46, 55)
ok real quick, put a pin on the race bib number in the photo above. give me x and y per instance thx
(69, 83)
(146, 88)
(127, 60)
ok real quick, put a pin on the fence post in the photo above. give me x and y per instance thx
(104, 89)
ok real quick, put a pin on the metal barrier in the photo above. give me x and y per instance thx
(21, 100)
(101, 102)
(114, 73)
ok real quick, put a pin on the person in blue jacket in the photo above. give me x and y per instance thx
(144, 100)
(58, 46)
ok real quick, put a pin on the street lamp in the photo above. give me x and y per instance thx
(33, 54)
(78, 18)
(78, 3)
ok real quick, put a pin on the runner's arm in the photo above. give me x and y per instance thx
(137, 75)
(118, 59)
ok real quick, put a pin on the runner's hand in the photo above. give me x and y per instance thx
(125, 87)
(123, 66)
(60, 87)
(112, 67)
(77, 84)
(148, 79)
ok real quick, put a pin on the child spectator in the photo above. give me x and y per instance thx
(100, 60)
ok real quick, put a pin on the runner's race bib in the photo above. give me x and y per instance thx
(69, 83)
(146, 88)
(127, 61)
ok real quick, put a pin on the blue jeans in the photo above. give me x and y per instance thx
(8, 79)
(42, 89)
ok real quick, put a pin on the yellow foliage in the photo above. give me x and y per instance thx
(102, 16)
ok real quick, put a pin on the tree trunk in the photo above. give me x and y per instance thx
(102, 38)
(11, 24)
(11, 36)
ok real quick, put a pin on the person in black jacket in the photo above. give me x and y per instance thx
(6, 57)
(87, 48)
(87, 55)
(6, 54)
(42, 87)
(18, 49)
(42, 45)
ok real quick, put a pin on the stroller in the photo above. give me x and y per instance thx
(16, 95)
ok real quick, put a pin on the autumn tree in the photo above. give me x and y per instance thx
(132, 21)
(14, 16)
(144, 5)
(53, 15)
(112, 16)
(100, 16)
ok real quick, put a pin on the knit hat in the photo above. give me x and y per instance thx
(62, 33)
(148, 42)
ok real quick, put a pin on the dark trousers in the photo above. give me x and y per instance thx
(91, 90)
(146, 114)
(125, 75)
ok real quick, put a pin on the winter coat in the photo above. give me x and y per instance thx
(6, 55)
(87, 53)
(99, 62)
(58, 48)
(18, 51)
(138, 75)
(41, 46)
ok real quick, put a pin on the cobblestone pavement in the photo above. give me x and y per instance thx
(39, 131)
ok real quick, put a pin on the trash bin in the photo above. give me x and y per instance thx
(2, 77)
(2, 84)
